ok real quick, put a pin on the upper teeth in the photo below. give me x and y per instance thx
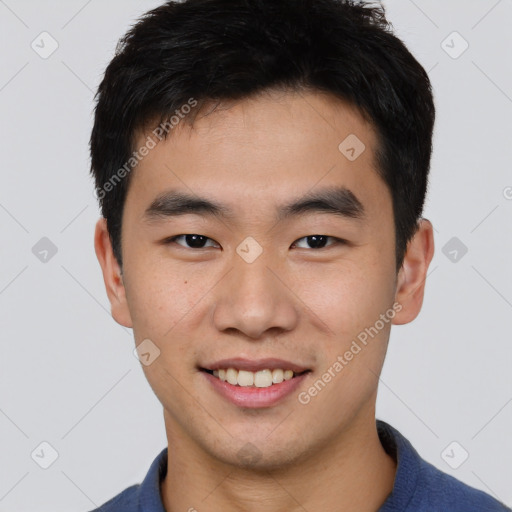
(260, 379)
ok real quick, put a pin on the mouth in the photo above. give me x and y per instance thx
(260, 384)
(264, 378)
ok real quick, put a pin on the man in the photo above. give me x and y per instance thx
(262, 167)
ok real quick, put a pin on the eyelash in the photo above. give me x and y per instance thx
(336, 241)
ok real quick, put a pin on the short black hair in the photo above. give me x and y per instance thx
(223, 50)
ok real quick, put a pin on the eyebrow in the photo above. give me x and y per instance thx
(338, 201)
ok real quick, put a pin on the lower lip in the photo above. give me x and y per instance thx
(253, 397)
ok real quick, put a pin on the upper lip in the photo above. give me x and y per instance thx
(254, 365)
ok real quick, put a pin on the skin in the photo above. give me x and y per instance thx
(294, 302)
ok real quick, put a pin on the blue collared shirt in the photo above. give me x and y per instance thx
(418, 486)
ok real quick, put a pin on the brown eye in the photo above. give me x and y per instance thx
(318, 241)
(191, 241)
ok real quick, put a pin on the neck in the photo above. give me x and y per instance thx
(351, 472)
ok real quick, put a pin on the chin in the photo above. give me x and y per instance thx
(262, 457)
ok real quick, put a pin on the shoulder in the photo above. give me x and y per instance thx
(421, 487)
(125, 501)
(143, 496)
(437, 490)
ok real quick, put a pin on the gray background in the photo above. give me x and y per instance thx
(68, 376)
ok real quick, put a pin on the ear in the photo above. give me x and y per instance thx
(413, 273)
(112, 274)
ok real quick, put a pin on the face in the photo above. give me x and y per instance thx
(289, 265)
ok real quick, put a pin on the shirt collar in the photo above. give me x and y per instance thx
(408, 467)
(150, 499)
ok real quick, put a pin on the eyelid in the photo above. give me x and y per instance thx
(336, 241)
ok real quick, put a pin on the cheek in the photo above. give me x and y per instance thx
(161, 295)
(354, 353)
(349, 295)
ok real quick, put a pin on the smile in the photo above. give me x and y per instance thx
(260, 379)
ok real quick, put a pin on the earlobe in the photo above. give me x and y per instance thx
(413, 273)
(112, 275)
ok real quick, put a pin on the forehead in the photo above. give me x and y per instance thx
(258, 152)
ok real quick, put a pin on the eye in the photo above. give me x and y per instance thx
(318, 241)
(193, 241)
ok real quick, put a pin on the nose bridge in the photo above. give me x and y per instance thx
(252, 299)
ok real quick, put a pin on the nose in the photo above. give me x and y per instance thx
(255, 299)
